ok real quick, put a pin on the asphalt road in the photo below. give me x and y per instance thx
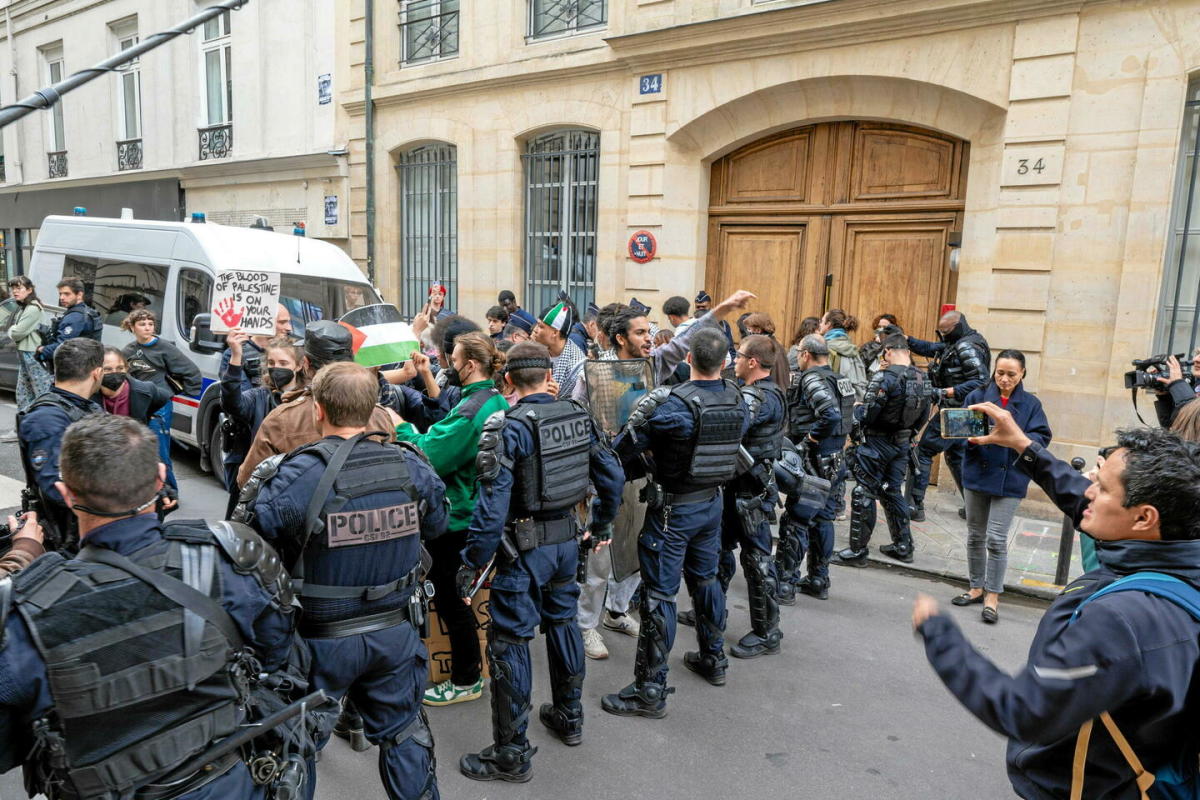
(850, 709)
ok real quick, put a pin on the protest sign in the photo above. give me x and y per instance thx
(246, 299)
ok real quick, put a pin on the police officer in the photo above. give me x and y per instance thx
(694, 431)
(348, 514)
(534, 465)
(78, 372)
(751, 496)
(897, 401)
(123, 666)
(78, 320)
(961, 364)
(822, 413)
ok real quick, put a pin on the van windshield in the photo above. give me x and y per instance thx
(309, 299)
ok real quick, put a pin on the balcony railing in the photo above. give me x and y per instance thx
(2, 178)
(216, 141)
(57, 163)
(129, 154)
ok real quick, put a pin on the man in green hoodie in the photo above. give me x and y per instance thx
(451, 446)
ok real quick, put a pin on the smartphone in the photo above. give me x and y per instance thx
(960, 423)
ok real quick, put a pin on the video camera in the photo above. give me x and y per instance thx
(1142, 378)
(6, 532)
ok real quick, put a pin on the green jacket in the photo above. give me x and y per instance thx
(24, 328)
(451, 446)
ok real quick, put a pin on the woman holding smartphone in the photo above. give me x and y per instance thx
(993, 486)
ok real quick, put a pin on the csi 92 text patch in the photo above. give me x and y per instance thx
(376, 525)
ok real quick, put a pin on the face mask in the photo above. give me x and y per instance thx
(113, 381)
(281, 377)
(452, 377)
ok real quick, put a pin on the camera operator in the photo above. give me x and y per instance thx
(26, 544)
(1129, 657)
(1176, 390)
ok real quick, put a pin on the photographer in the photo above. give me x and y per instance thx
(1176, 389)
(1129, 656)
(26, 544)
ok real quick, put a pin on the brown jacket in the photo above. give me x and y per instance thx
(22, 554)
(291, 425)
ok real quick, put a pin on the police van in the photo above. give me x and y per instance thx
(170, 268)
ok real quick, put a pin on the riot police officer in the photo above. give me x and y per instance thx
(693, 431)
(131, 661)
(534, 464)
(751, 496)
(348, 514)
(78, 368)
(822, 413)
(961, 364)
(79, 320)
(897, 401)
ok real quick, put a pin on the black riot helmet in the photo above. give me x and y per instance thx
(326, 341)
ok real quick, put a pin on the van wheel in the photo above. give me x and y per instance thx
(216, 453)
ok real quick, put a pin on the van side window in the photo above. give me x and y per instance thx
(115, 288)
(195, 297)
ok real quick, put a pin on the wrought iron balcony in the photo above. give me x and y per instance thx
(2, 178)
(57, 163)
(129, 154)
(216, 141)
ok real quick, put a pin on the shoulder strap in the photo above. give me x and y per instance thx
(332, 467)
(1168, 587)
(175, 590)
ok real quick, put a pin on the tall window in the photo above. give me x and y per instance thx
(430, 30)
(218, 75)
(1178, 322)
(56, 133)
(562, 17)
(129, 84)
(428, 224)
(562, 172)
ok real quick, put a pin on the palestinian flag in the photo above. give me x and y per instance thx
(379, 335)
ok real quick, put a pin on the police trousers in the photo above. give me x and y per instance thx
(739, 529)
(538, 589)
(384, 673)
(931, 444)
(816, 538)
(683, 540)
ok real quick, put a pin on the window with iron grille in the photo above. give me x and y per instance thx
(217, 66)
(1178, 323)
(564, 17)
(428, 224)
(562, 172)
(429, 30)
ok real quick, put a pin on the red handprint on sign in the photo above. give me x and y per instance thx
(229, 313)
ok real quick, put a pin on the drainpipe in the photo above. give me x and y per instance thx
(12, 160)
(369, 76)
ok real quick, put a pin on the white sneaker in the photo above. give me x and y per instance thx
(593, 644)
(623, 624)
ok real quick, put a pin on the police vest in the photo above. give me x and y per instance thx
(764, 441)
(908, 408)
(708, 457)
(336, 541)
(812, 391)
(65, 525)
(554, 476)
(141, 684)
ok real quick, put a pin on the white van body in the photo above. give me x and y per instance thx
(174, 266)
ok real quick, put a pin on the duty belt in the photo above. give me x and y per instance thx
(555, 531)
(199, 779)
(357, 625)
(895, 437)
(682, 499)
(365, 593)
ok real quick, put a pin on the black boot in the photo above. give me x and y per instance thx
(814, 586)
(764, 635)
(638, 700)
(505, 762)
(901, 547)
(564, 717)
(350, 727)
(564, 724)
(647, 695)
(707, 666)
(862, 523)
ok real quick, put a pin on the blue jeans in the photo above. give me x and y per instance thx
(160, 423)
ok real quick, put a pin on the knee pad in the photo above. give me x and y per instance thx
(861, 497)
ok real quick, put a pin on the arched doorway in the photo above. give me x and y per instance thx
(857, 215)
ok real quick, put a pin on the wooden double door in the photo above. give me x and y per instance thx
(852, 215)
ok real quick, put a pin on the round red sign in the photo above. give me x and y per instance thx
(643, 247)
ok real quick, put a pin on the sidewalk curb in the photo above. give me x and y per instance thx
(1039, 592)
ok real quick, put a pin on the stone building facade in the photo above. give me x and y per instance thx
(227, 121)
(1020, 159)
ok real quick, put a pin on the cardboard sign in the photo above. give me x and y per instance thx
(246, 299)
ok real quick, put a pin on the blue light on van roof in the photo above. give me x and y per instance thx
(80, 211)
(199, 217)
